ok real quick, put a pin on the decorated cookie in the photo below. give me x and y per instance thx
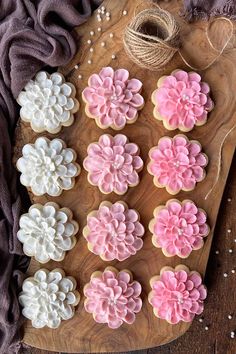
(178, 228)
(113, 164)
(47, 166)
(113, 297)
(48, 102)
(47, 232)
(114, 231)
(182, 100)
(112, 99)
(48, 298)
(177, 163)
(177, 294)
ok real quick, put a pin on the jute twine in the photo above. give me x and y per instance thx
(151, 51)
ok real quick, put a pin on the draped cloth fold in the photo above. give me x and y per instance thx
(33, 34)
(203, 9)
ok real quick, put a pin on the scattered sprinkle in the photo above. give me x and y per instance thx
(108, 18)
(230, 317)
(235, 240)
(108, 14)
(99, 11)
(230, 250)
(232, 334)
(233, 271)
(76, 66)
(206, 328)
(103, 44)
(229, 200)
(125, 12)
(91, 33)
(217, 252)
(103, 8)
(113, 56)
(89, 41)
(91, 50)
(99, 18)
(200, 320)
(99, 29)
(89, 61)
(111, 35)
(80, 76)
(225, 275)
(229, 231)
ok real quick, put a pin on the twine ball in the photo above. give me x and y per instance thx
(152, 38)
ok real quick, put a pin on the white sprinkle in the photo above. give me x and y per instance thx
(125, 12)
(99, 29)
(108, 18)
(76, 66)
(89, 61)
(80, 76)
(229, 317)
(233, 271)
(200, 320)
(89, 41)
(108, 14)
(91, 33)
(206, 328)
(113, 56)
(229, 231)
(217, 252)
(103, 44)
(225, 275)
(230, 250)
(99, 11)
(91, 50)
(229, 200)
(232, 334)
(111, 35)
(99, 18)
(103, 8)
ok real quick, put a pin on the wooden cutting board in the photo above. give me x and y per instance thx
(82, 334)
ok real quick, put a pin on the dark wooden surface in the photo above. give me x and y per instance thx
(221, 300)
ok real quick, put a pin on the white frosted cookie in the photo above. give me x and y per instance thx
(48, 102)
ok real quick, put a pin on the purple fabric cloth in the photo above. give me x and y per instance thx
(32, 34)
(203, 9)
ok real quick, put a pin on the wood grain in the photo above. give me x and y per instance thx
(82, 334)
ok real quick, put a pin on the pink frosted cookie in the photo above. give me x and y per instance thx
(112, 99)
(114, 231)
(113, 297)
(182, 100)
(177, 294)
(113, 164)
(177, 163)
(178, 228)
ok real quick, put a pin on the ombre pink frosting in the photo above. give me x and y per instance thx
(113, 298)
(112, 98)
(178, 296)
(114, 232)
(177, 163)
(180, 228)
(183, 100)
(113, 164)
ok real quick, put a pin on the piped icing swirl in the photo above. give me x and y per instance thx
(113, 297)
(48, 298)
(114, 231)
(177, 163)
(113, 164)
(178, 228)
(113, 99)
(182, 100)
(48, 102)
(177, 294)
(47, 166)
(47, 232)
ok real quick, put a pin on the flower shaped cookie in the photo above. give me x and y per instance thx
(47, 166)
(182, 100)
(48, 298)
(112, 99)
(48, 102)
(177, 294)
(113, 164)
(177, 164)
(113, 297)
(114, 231)
(178, 228)
(47, 232)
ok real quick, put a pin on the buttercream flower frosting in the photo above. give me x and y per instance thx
(177, 294)
(48, 298)
(178, 228)
(113, 99)
(182, 100)
(114, 231)
(47, 166)
(47, 232)
(112, 297)
(48, 102)
(177, 163)
(113, 164)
